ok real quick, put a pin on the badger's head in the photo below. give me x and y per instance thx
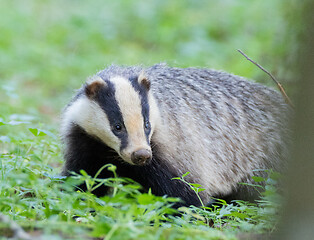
(120, 112)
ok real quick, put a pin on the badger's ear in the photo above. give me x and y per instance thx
(93, 85)
(143, 80)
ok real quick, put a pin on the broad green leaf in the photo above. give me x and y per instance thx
(201, 189)
(195, 185)
(239, 215)
(258, 179)
(145, 199)
(37, 132)
(84, 173)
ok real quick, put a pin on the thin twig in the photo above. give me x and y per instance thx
(281, 89)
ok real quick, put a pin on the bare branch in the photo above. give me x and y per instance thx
(281, 89)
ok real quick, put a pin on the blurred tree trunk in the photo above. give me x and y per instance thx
(298, 214)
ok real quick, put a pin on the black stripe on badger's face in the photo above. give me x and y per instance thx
(142, 86)
(125, 104)
(106, 99)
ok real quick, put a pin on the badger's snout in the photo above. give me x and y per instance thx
(141, 157)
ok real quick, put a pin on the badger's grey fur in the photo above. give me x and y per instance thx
(217, 126)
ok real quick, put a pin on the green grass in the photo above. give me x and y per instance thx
(48, 48)
(33, 194)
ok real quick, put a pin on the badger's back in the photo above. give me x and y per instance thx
(217, 126)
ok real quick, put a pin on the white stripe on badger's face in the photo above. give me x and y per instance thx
(131, 108)
(89, 115)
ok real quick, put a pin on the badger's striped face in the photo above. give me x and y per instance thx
(119, 112)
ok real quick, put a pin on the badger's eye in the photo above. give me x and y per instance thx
(147, 125)
(118, 127)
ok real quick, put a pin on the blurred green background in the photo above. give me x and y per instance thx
(49, 47)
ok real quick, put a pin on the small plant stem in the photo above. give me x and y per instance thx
(31, 146)
(115, 190)
(111, 168)
(199, 198)
(69, 216)
(197, 194)
(281, 89)
(100, 170)
(111, 232)
(98, 185)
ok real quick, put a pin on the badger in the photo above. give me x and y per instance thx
(157, 123)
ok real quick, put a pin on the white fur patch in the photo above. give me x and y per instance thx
(89, 115)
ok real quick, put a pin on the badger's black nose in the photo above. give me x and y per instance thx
(141, 157)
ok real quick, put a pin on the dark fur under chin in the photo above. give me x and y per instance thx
(88, 153)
